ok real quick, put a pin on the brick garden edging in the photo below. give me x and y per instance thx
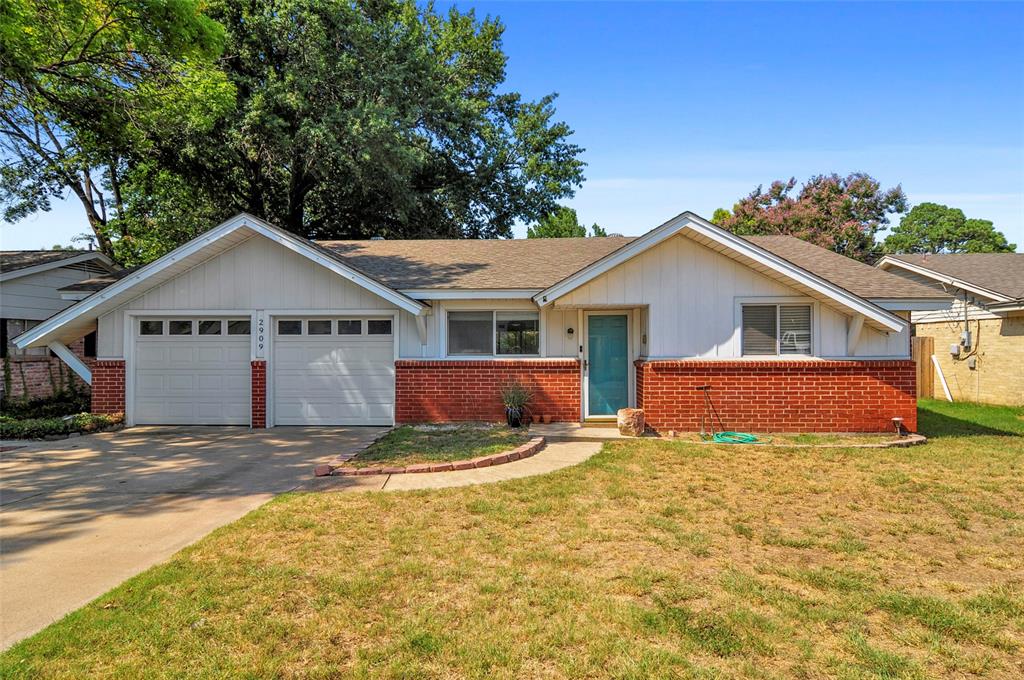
(526, 450)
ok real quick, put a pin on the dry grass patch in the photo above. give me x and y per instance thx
(653, 559)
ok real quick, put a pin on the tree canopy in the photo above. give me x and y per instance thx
(330, 118)
(562, 223)
(935, 228)
(842, 214)
(83, 81)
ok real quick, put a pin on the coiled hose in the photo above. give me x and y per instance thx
(734, 438)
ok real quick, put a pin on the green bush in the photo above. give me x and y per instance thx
(60, 404)
(36, 428)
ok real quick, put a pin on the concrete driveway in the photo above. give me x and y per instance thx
(79, 516)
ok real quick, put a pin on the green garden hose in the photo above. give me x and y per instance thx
(734, 438)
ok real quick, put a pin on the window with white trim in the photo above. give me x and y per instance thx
(776, 330)
(506, 333)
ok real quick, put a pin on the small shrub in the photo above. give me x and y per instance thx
(60, 404)
(37, 428)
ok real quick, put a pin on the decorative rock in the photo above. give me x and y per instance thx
(631, 422)
(322, 470)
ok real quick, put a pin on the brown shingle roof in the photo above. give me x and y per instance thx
(13, 260)
(540, 263)
(999, 272)
(858, 278)
(473, 264)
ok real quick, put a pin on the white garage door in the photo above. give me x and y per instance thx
(192, 371)
(334, 371)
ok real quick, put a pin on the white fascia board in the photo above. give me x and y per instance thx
(470, 293)
(194, 246)
(1011, 306)
(75, 295)
(689, 220)
(888, 261)
(913, 304)
(56, 264)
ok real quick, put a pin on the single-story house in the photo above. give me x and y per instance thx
(249, 324)
(31, 283)
(979, 340)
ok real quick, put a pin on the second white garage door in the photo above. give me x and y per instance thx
(333, 372)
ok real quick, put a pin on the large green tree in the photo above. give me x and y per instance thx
(842, 214)
(84, 83)
(359, 118)
(935, 228)
(562, 223)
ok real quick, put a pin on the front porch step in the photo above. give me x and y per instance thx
(577, 432)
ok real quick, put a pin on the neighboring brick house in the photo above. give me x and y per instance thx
(31, 283)
(249, 324)
(986, 364)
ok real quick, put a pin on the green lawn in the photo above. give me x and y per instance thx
(653, 559)
(409, 445)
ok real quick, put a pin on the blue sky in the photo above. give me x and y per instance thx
(687, 106)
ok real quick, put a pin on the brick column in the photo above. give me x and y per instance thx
(259, 393)
(108, 386)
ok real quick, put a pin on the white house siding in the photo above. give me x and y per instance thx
(36, 296)
(256, 274)
(690, 293)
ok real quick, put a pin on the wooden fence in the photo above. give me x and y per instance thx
(921, 350)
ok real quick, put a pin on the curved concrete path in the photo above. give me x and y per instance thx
(554, 456)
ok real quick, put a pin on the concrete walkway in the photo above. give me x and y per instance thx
(554, 456)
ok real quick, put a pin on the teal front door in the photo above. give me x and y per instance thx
(607, 364)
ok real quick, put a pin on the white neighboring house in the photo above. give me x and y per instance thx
(31, 283)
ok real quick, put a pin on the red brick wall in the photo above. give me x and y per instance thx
(259, 393)
(108, 386)
(38, 376)
(440, 391)
(780, 396)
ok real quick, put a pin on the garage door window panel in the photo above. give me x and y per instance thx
(378, 326)
(210, 327)
(318, 326)
(179, 327)
(350, 327)
(239, 327)
(151, 327)
(289, 327)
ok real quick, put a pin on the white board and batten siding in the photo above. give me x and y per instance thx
(692, 296)
(256, 274)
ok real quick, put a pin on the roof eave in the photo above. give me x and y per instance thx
(946, 279)
(55, 264)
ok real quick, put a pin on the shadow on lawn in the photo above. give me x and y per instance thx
(937, 420)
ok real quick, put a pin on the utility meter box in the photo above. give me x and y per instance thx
(954, 350)
(965, 339)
